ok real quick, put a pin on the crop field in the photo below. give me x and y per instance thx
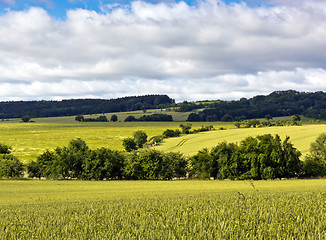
(29, 140)
(300, 136)
(287, 209)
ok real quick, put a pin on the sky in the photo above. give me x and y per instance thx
(190, 50)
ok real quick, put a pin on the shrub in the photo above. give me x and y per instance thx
(4, 149)
(10, 166)
(129, 144)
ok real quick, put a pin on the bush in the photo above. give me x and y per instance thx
(129, 144)
(140, 138)
(25, 118)
(10, 166)
(4, 149)
(114, 118)
(130, 119)
(171, 133)
(313, 167)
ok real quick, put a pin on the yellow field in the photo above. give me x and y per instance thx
(29, 140)
(300, 136)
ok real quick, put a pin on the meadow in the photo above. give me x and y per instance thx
(291, 209)
(300, 136)
(29, 140)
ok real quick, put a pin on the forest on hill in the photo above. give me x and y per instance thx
(276, 104)
(35, 109)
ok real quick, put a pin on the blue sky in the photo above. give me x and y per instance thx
(196, 50)
(58, 8)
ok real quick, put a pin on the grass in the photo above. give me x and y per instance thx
(292, 209)
(29, 140)
(300, 136)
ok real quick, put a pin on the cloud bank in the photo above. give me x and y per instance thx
(214, 50)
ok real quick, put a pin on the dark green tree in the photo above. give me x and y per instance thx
(10, 166)
(315, 162)
(140, 138)
(34, 170)
(114, 118)
(25, 119)
(129, 144)
(227, 118)
(318, 147)
(186, 128)
(202, 166)
(5, 149)
(268, 117)
(130, 119)
(79, 118)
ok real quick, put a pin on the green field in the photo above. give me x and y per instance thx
(29, 140)
(300, 136)
(289, 209)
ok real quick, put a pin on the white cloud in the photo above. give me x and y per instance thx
(210, 51)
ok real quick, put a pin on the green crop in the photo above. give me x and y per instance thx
(28, 140)
(292, 209)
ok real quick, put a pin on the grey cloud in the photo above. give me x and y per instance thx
(229, 86)
(213, 50)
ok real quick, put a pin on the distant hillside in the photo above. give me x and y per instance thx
(276, 104)
(34, 109)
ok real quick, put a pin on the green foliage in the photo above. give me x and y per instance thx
(318, 148)
(129, 144)
(98, 119)
(114, 118)
(154, 140)
(186, 128)
(34, 170)
(227, 118)
(25, 119)
(268, 117)
(5, 149)
(10, 166)
(140, 138)
(130, 119)
(74, 107)
(151, 118)
(204, 129)
(263, 157)
(315, 163)
(103, 164)
(79, 118)
(201, 164)
(171, 133)
(152, 164)
(313, 167)
(277, 104)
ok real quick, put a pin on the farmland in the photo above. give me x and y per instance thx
(29, 140)
(300, 136)
(292, 209)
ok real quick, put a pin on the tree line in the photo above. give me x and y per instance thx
(156, 117)
(276, 104)
(72, 107)
(261, 157)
